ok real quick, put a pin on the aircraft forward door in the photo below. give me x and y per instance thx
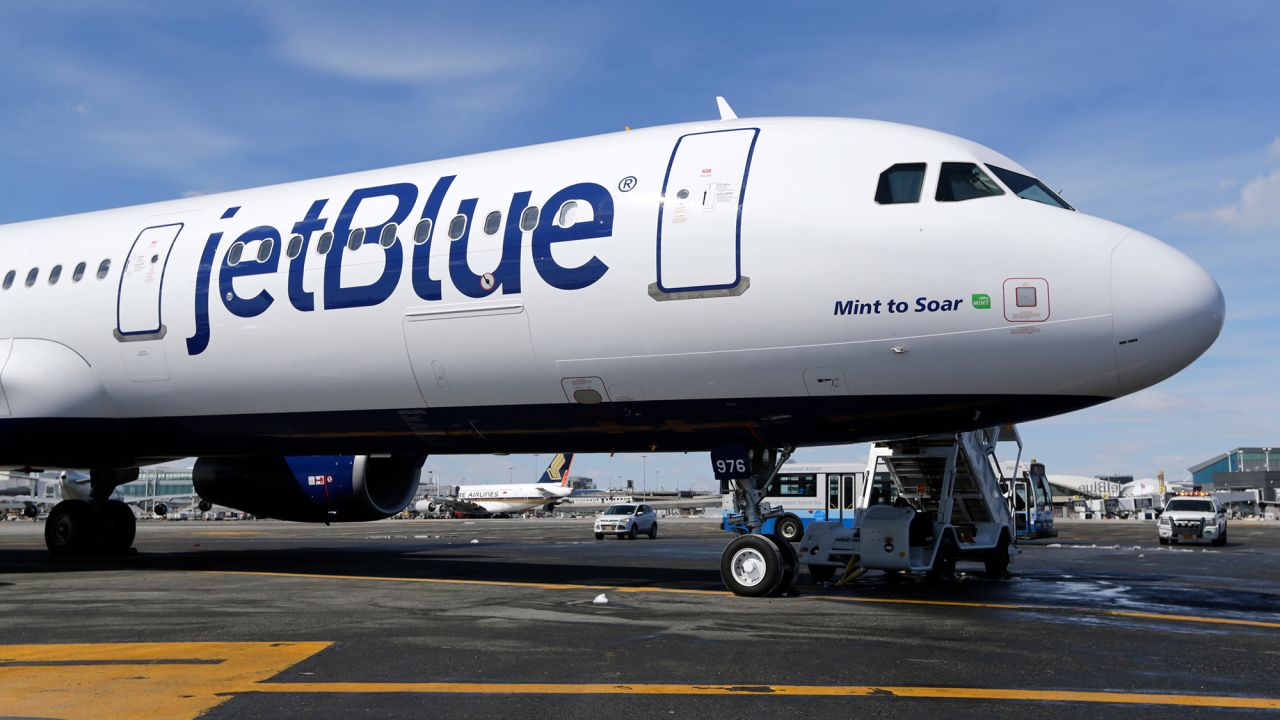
(700, 218)
(141, 281)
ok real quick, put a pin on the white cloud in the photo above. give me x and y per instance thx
(1258, 206)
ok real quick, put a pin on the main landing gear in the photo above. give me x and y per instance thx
(98, 526)
(755, 565)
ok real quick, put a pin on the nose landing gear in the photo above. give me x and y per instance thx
(754, 565)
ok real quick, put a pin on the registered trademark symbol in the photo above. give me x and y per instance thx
(627, 184)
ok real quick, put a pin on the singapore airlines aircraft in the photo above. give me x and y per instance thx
(758, 282)
(551, 488)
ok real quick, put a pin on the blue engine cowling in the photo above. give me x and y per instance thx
(328, 488)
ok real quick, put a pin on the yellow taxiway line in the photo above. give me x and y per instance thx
(948, 693)
(186, 679)
(137, 680)
(1238, 622)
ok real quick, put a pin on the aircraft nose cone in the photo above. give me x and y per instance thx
(1166, 310)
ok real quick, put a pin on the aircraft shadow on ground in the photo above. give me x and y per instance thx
(1095, 591)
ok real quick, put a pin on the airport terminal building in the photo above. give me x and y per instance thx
(1244, 468)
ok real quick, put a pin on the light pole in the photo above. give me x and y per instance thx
(657, 479)
(510, 473)
(644, 475)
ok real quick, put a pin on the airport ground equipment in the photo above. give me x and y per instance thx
(1032, 501)
(933, 501)
(1192, 517)
(805, 493)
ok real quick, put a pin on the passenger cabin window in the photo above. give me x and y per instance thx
(491, 222)
(103, 268)
(31, 276)
(265, 248)
(294, 248)
(387, 237)
(422, 232)
(964, 181)
(55, 274)
(568, 214)
(325, 243)
(1029, 188)
(78, 272)
(355, 239)
(9, 278)
(529, 218)
(457, 226)
(900, 184)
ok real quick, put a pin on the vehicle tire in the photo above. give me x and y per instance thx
(790, 568)
(69, 528)
(1164, 541)
(1221, 539)
(633, 532)
(751, 565)
(117, 526)
(789, 529)
(822, 573)
(997, 559)
(653, 531)
(599, 536)
(944, 561)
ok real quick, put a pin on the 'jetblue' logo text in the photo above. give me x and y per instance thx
(598, 207)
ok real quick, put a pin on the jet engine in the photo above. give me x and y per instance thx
(330, 488)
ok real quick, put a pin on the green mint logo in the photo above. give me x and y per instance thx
(981, 301)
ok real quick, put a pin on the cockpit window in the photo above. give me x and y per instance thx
(964, 181)
(900, 184)
(1029, 188)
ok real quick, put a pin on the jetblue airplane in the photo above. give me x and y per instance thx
(759, 282)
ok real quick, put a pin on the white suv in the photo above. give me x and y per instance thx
(627, 521)
(1192, 518)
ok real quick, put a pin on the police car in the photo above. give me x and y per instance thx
(1192, 517)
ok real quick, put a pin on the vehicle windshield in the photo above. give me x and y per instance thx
(1189, 505)
(1029, 188)
(621, 510)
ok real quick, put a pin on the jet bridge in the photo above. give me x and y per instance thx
(931, 501)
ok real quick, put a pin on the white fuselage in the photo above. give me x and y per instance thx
(682, 287)
(513, 498)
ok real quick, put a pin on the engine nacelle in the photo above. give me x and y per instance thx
(160, 509)
(329, 488)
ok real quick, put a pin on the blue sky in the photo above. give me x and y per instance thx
(1160, 115)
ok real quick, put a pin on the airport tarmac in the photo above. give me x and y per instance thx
(496, 618)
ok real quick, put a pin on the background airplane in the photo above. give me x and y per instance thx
(552, 488)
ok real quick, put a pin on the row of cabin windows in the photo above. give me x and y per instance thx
(958, 181)
(387, 236)
(55, 274)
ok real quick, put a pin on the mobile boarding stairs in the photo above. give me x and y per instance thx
(929, 502)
